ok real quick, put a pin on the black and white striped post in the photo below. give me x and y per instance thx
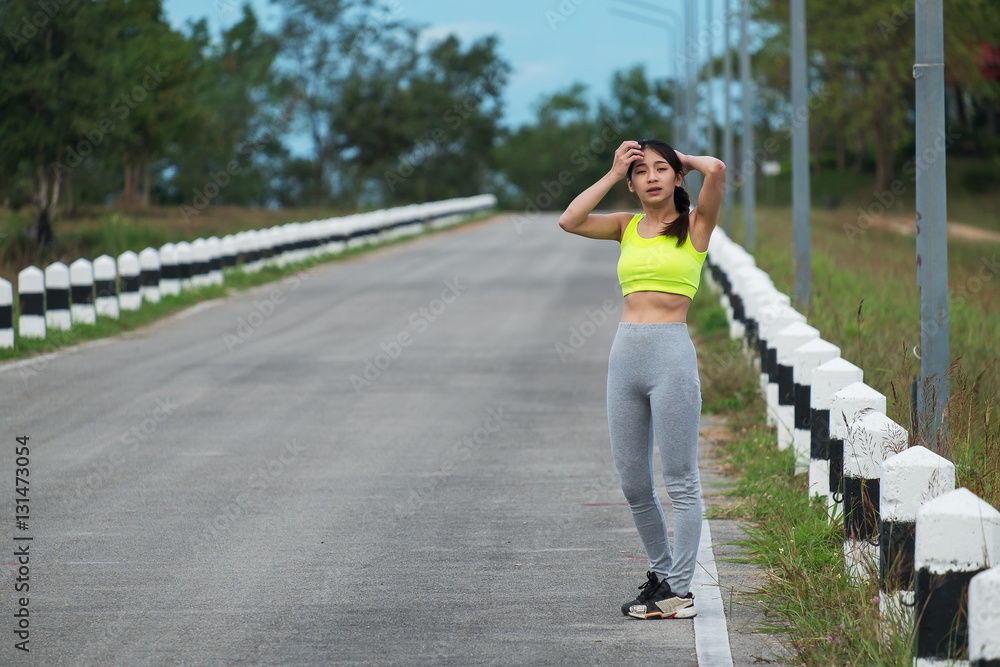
(106, 287)
(755, 302)
(827, 380)
(200, 263)
(230, 251)
(845, 406)
(909, 479)
(806, 359)
(170, 272)
(6, 313)
(31, 298)
(958, 536)
(772, 319)
(149, 275)
(128, 281)
(786, 341)
(57, 315)
(872, 439)
(984, 619)
(81, 292)
(214, 260)
(184, 260)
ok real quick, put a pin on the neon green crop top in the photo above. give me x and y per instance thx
(657, 264)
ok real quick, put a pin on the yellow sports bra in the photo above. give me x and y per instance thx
(657, 264)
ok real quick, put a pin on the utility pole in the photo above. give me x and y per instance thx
(800, 154)
(727, 135)
(932, 239)
(746, 144)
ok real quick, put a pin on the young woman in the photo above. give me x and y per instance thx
(653, 383)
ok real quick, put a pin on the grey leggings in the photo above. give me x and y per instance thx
(653, 385)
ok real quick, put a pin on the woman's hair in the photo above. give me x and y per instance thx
(682, 201)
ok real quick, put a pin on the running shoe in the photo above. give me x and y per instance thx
(661, 602)
(647, 589)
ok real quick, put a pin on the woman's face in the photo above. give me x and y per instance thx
(653, 179)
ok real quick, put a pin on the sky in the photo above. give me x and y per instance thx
(550, 44)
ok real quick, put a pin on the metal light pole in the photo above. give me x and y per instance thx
(932, 239)
(709, 97)
(691, 50)
(800, 154)
(673, 19)
(727, 136)
(746, 143)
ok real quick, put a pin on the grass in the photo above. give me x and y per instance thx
(807, 598)
(235, 280)
(864, 300)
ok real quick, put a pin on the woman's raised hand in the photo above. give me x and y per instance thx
(626, 154)
(685, 167)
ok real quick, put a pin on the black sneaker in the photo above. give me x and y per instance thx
(661, 602)
(652, 583)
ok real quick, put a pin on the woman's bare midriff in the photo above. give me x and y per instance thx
(651, 307)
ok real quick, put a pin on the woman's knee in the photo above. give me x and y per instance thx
(637, 492)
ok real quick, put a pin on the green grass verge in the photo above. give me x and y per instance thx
(235, 280)
(807, 598)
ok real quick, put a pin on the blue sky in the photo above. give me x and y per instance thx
(549, 43)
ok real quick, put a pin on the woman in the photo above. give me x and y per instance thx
(653, 383)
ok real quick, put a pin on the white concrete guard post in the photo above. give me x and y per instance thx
(184, 259)
(230, 251)
(256, 251)
(199, 263)
(81, 292)
(909, 479)
(6, 313)
(872, 439)
(785, 342)
(958, 536)
(753, 290)
(128, 281)
(106, 286)
(283, 245)
(214, 260)
(249, 255)
(845, 406)
(754, 305)
(805, 359)
(772, 319)
(984, 619)
(57, 314)
(31, 297)
(827, 380)
(149, 275)
(170, 272)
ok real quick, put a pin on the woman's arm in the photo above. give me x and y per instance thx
(578, 219)
(706, 213)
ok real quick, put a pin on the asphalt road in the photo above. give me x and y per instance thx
(402, 458)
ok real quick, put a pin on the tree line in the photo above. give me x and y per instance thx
(103, 102)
